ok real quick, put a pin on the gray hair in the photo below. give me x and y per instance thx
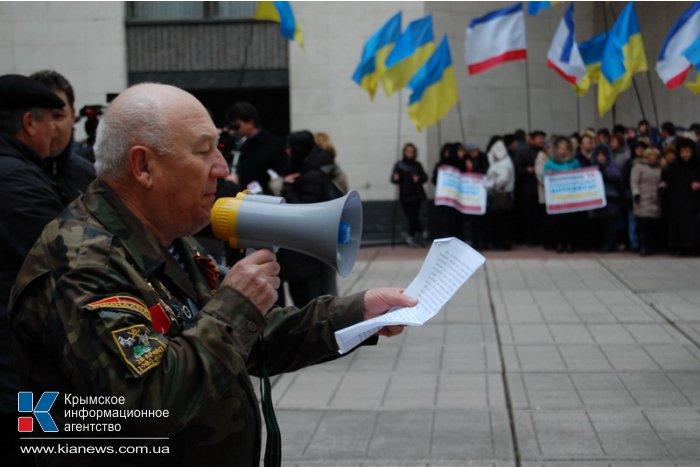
(141, 122)
(11, 121)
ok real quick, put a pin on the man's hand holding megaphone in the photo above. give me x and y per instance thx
(256, 277)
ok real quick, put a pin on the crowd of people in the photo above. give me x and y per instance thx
(651, 179)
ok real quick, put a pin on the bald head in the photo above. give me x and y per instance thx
(140, 115)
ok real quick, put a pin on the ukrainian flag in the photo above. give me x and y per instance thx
(410, 52)
(535, 7)
(377, 49)
(623, 56)
(281, 12)
(592, 55)
(434, 88)
(692, 53)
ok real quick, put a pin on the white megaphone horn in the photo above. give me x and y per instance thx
(330, 231)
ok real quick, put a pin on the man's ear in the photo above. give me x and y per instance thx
(29, 123)
(139, 165)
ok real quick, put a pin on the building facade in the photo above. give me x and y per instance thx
(216, 51)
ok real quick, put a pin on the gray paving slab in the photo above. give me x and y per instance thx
(596, 361)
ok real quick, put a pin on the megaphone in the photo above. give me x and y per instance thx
(330, 231)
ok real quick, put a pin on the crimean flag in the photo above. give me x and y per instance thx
(281, 12)
(410, 52)
(434, 88)
(535, 7)
(623, 56)
(494, 38)
(374, 55)
(673, 65)
(564, 56)
(592, 55)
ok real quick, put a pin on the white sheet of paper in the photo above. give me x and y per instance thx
(449, 264)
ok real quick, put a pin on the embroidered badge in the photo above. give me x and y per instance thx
(139, 350)
(121, 302)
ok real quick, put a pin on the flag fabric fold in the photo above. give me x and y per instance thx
(623, 56)
(434, 88)
(494, 38)
(535, 7)
(673, 65)
(410, 52)
(372, 63)
(564, 55)
(281, 12)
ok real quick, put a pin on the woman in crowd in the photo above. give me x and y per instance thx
(306, 182)
(563, 225)
(409, 175)
(682, 179)
(646, 184)
(637, 157)
(542, 158)
(339, 178)
(612, 179)
(499, 184)
(478, 163)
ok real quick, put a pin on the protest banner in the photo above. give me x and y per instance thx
(574, 190)
(463, 191)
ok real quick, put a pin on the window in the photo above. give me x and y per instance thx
(192, 11)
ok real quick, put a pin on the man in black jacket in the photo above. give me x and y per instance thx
(260, 152)
(29, 201)
(71, 172)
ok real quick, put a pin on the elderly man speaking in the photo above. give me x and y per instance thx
(116, 305)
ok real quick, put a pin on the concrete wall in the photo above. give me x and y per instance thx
(323, 97)
(84, 41)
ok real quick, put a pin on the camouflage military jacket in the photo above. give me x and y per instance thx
(100, 308)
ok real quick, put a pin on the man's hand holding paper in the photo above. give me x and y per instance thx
(449, 264)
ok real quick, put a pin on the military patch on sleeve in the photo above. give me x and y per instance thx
(139, 350)
(121, 302)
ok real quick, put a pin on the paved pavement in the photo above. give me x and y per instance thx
(541, 360)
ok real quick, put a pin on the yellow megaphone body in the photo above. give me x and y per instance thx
(330, 231)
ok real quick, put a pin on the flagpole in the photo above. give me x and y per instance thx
(461, 123)
(394, 205)
(527, 96)
(578, 112)
(653, 100)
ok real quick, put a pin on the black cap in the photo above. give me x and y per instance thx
(20, 92)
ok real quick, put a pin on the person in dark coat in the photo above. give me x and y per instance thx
(30, 200)
(452, 221)
(70, 172)
(476, 162)
(682, 179)
(260, 152)
(526, 210)
(409, 175)
(307, 180)
(612, 179)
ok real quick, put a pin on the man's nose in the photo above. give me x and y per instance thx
(220, 167)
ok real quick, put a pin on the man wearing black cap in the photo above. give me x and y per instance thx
(28, 201)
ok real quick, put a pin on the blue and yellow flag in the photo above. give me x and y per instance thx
(623, 56)
(592, 56)
(434, 88)
(374, 55)
(281, 12)
(410, 52)
(692, 53)
(535, 7)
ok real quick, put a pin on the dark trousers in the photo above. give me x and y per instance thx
(647, 233)
(476, 231)
(499, 229)
(412, 211)
(564, 227)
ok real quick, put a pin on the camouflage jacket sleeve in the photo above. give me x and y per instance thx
(295, 338)
(116, 351)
